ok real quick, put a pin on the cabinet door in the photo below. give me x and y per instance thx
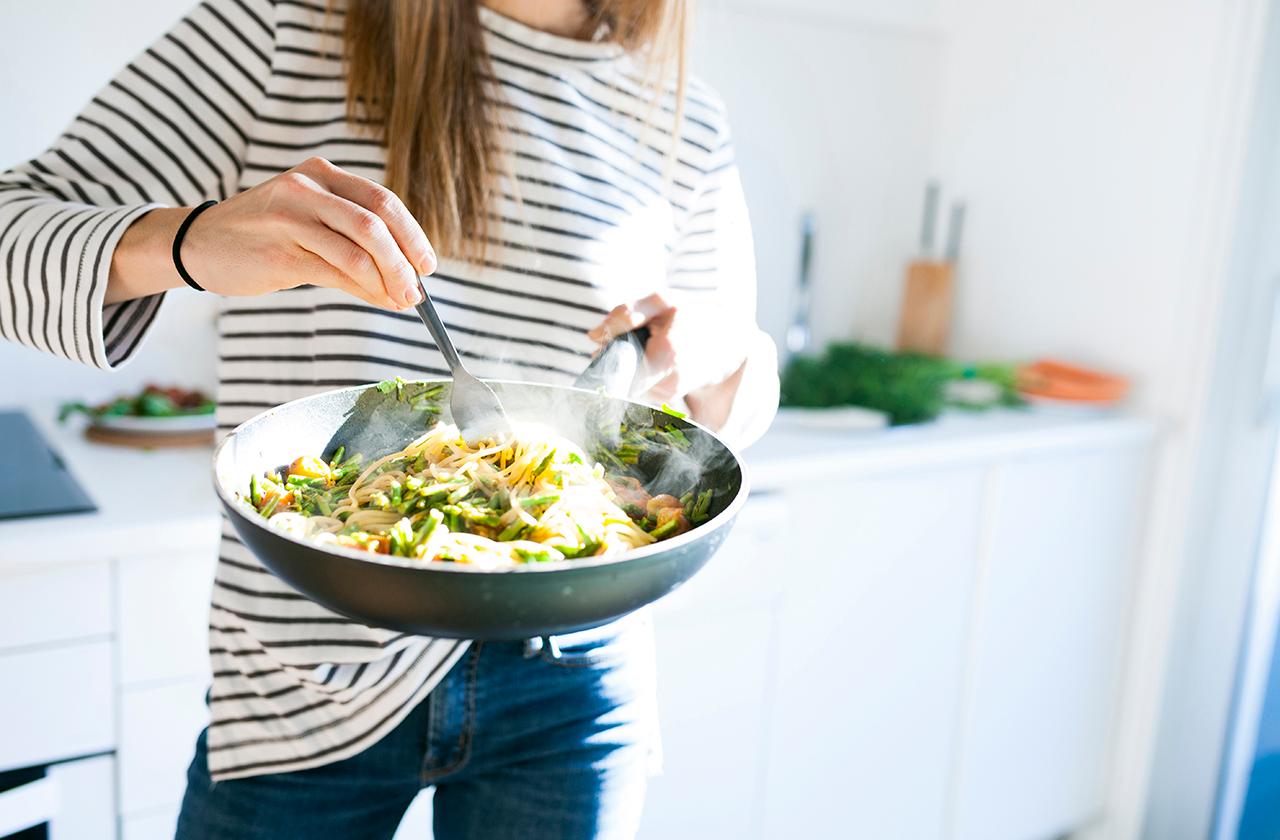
(1062, 540)
(871, 641)
(55, 703)
(715, 651)
(86, 799)
(65, 603)
(158, 729)
(164, 616)
(154, 825)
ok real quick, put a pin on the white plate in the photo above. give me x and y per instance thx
(845, 417)
(157, 425)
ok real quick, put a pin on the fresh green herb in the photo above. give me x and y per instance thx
(669, 410)
(397, 384)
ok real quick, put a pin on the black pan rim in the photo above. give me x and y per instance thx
(725, 518)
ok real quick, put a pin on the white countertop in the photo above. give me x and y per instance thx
(148, 500)
(792, 452)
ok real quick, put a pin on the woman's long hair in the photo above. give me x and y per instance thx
(418, 70)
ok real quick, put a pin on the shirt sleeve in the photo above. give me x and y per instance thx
(170, 129)
(713, 269)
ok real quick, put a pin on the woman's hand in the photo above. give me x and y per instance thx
(690, 353)
(315, 223)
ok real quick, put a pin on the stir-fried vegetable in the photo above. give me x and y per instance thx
(524, 500)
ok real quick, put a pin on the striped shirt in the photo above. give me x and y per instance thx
(241, 90)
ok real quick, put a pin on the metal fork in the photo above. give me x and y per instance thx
(476, 409)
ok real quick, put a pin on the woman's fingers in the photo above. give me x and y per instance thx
(354, 265)
(318, 271)
(367, 230)
(659, 361)
(382, 202)
(630, 316)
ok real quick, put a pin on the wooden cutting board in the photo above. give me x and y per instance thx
(150, 440)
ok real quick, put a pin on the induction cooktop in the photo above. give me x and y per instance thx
(35, 481)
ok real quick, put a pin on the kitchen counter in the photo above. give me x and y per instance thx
(145, 498)
(963, 543)
(154, 498)
(793, 453)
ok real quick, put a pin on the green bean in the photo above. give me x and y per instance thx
(666, 529)
(513, 531)
(543, 464)
(428, 525)
(543, 555)
(536, 501)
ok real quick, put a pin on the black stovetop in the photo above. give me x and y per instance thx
(33, 479)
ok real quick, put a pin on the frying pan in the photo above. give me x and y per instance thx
(455, 600)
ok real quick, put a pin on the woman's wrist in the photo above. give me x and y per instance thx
(142, 263)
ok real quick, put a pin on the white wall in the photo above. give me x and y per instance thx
(1099, 145)
(834, 109)
(61, 53)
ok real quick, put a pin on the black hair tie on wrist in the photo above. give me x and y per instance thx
(177, 244)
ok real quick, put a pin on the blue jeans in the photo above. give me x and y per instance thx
(517, 742)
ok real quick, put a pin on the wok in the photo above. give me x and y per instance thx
(455, 600)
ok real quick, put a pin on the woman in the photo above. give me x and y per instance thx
(549, 153)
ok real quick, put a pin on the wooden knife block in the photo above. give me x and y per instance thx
(925, 322)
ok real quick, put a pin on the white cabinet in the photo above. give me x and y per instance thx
(1062, 534)
(57, 702)
(164, 674)
(71, 602)
(85, 797)
(715, 659)
(899, 642)
(158, 729)
(154, 825)
(871, 645)
(164, 615)
(71, 801)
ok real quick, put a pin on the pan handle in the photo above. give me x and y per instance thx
(617, 367)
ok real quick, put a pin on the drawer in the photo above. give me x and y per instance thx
(158, 729)
(57, 703)
(164, 617)
(72, 801)
(64, 603)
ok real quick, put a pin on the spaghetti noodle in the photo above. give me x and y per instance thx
(533, 497)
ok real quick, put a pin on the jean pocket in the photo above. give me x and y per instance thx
(597, 647)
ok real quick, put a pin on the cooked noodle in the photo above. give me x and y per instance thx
(532, 497)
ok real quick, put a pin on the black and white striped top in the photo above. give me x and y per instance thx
(243, 89)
